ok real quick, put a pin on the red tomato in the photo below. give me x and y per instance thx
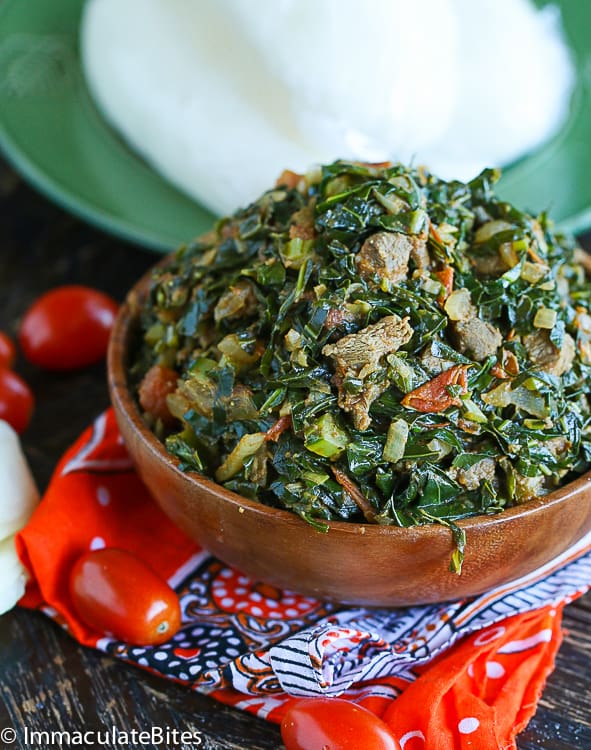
(16, 400)
(334, 724)
(115, 593)
(158, 383)
(7, 350)
(67, 328)
(446, 277)
(433, 396)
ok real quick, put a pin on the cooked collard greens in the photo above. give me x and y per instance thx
(370, 343)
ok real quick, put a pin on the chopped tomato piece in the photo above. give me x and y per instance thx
(288, 179)
(433, 396)
(534, 256)
(375, 164)
(158, 383)
(434, 233)
(498, 372)
(510, 363)
(446, 277)
(282, 424)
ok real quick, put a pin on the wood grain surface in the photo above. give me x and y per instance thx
(49, 682)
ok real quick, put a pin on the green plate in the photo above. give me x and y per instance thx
(556, 177)
(53, 134)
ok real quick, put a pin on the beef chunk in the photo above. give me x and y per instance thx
(432, 363)
(385, 255)
(548, 357)
(488, 265)
(528, 488)
(477, 338)
(473, 336)
(302, 224)
(360, 356)
(472, 477)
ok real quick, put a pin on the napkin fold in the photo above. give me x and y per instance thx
(455, 675)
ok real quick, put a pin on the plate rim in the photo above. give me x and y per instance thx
(54, 191)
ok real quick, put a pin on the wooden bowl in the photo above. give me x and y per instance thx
(353, 563)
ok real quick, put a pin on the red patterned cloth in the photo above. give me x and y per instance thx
(465, 674)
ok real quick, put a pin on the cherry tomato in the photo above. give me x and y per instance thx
(67, 328)
(16, 400)
(7, 350)
(334, 724)
(117, 594)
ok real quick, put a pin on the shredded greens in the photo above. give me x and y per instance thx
(373, 344)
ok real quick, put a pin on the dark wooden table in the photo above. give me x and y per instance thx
(49, 682)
